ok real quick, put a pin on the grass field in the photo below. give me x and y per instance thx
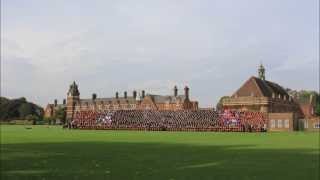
(53, 153)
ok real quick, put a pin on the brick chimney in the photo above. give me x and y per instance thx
(125, 94)
(143, 93)
(117, 95)
(175, 91)
(94, 96)
(134, 94)
(186, 92)
(55, 102)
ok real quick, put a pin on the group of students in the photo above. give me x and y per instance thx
(183, 120)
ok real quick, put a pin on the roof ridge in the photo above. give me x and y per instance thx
(259, 88)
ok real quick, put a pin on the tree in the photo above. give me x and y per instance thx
(25, 109)
(48, 120)
(32, 118)
(219, 104)
(61, 115)
(11, 109)
(317, 109)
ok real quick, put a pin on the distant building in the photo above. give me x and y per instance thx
(285, 111)
(258, 94)
(51, 109)
(143, 101)
(307, 103)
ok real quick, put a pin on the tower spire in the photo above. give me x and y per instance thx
(261, 72)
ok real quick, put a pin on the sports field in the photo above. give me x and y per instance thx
(53, 153)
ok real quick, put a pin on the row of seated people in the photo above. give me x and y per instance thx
(200, 120)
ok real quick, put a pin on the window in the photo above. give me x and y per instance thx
(316, 125)
(280, 124)
(305, 123)
(273, 123)
(286, 123)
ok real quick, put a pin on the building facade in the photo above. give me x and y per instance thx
(52, 109)
(309, 121)
(257, 94)
(126, 102)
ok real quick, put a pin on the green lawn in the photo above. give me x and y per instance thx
(53, 153)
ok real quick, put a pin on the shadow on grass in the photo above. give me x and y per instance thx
(93, 160)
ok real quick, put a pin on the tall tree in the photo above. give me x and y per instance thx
(25, 109)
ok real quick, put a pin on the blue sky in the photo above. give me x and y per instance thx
(212, 46)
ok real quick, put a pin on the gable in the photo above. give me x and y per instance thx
(260, 88)
(249, 88)
(147, 102)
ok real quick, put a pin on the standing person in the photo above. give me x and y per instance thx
(264, 127)
(250, 128)
(243, 128)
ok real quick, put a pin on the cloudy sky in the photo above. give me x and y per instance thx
(212, 46)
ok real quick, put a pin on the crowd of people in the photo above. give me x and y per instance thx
(184, 120)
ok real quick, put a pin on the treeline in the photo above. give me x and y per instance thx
(304, 96)
(19, 109)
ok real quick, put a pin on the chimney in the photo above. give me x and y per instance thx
(186, 92)
(117, 95)
(94, 96)
(125, 94)
(64, 101)
(143, 93)
(175, 89)
(55, 102)
(134, 94)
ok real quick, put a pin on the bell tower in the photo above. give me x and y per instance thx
(73, 97)
(261, 72)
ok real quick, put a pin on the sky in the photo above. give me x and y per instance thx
(213, 46)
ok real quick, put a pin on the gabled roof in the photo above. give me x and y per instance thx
(261, 88)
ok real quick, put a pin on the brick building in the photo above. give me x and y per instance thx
(126, 102)
(285, 112)
(309, 121)
(51, 109)
(257, 94)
